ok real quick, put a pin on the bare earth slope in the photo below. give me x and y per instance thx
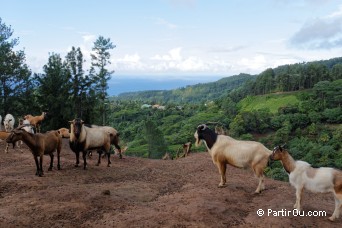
(138, 192)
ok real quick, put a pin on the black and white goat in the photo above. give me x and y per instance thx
(226, 150)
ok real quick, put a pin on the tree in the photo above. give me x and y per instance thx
(81, 85)
(100, 74)
(336, 72)
(265, 82)
(53, 92)
(14, 73)
(155, 140)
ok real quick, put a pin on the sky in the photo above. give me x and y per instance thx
(195, 40)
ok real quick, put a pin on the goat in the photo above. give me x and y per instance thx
(83, 139)
(114, 137)
(40, 144)
(9, 122)
(3, 136)
(0, 122)
(36, 120)
(186, 147)
(226, 150)
(302, 175)
(64, 132)
(26, 126)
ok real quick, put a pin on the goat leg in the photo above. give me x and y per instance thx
(99, 160)
(84, 153)
(222, 169)
(119, 149)
(108, 157)
(41, 165)
(37, 165)
(51, 162)
(58, 161)
(77, 158)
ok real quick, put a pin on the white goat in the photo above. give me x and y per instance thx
(302, 175)
(226, 150)
(9, 122)
(25, 124)
(9, 126)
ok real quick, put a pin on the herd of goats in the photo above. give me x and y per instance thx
(222, 148)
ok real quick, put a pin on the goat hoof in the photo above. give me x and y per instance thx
(332, 218)
(76, 165)
(222, 185)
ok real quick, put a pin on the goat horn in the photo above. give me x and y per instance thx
(202, 126)
(20, 127)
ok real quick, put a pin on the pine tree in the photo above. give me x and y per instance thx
(53, 92)
(14, 73)
(99, 72)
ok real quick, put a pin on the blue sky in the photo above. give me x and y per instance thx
(180, 39)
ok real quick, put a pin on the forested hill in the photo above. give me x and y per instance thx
(285, 78)
(196, 93)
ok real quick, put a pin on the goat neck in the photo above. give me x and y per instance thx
(288, 162)
(28, 138)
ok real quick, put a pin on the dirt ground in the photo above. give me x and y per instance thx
(136, 192)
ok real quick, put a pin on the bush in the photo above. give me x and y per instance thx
(333, 115)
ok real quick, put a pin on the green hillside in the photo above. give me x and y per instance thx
(272, 102)
(197, 93)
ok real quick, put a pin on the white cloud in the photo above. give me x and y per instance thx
(257, 63)
(173, 55)
(161, 21)
(88, 38)
(171, 63)
(320, 33)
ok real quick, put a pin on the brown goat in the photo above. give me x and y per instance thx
(64, 132)
(36, 120)
(40, 145)
(3, 136)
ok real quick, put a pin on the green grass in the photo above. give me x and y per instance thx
(270, 101)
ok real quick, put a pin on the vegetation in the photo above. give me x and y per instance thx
(298, 104)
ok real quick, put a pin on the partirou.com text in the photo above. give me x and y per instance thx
(294, 212)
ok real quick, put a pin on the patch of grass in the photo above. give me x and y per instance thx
(270, 101)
